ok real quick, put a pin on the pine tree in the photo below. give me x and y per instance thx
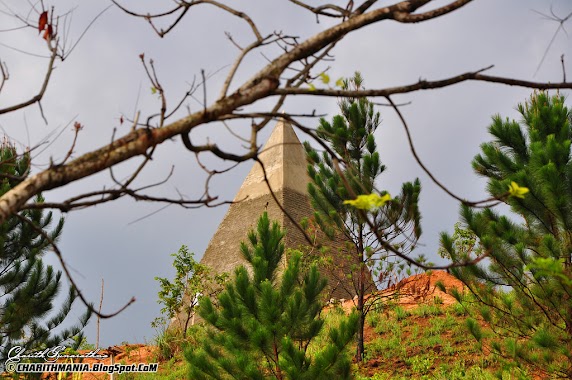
(269, 316)
(525, 286)
(28, 287)
(351, 136)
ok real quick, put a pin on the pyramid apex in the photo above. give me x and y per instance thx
(284, 161)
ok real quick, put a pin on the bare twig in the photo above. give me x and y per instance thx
(38, 97)
(99, 319)
(66, 53)
(563, 68)
(77, 128)
(66, 271)
(5, 74)
(329, 10)
(560, 27)
(238, 61)
(184, 7)
(290, 217)
(489, 202)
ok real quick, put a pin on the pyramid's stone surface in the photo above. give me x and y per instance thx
(284, 162)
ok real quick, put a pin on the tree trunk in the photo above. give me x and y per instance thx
(567, 300)
(360, 345)
(276, 361)
(360, 350)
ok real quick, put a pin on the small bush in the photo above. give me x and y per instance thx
(438, 300)
(425, 310)
(401, 313)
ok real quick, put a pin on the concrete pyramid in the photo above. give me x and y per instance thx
(284, 161)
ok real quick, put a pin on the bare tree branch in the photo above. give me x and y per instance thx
(424, 85)
(483, 203)
(38, 97)
(68, 275)
(184, 7)
(329, 10)
(560, 27)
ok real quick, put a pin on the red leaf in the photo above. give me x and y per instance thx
(43, 21)
(121, 120)
(48, 33)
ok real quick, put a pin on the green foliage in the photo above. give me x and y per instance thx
(525, 286)
(268, 318)
(441, 286)
(549, 267)
(28, 316)
(474, 329)
(171, 370)
(85, 345)
(168, 342)
(401, 313)
(171, 342)
(463, 243)
(343, 194)
(181, 296)
(460, 309)
(425, 310)
(430, 347)
(384, 347)
(420, 364)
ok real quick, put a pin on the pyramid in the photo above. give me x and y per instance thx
(284, 160)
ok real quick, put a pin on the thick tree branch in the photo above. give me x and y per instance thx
(133, 144)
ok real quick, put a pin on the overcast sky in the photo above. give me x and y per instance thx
(103, 79)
